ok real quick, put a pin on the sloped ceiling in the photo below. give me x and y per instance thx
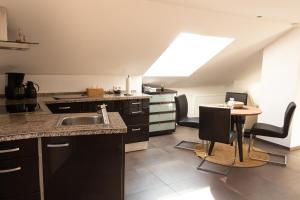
(118, 37)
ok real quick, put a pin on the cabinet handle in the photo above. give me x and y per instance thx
(5, 171)
(58, 145)
(64, 107)
(137, 112)
(136, 103)
(10, 150)
(136, 129)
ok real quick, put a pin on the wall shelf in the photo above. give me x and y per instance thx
(13, 45)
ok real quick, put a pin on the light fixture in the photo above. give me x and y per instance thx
(187, 53)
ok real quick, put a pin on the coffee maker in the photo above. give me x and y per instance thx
(14, 88)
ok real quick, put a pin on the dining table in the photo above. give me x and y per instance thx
(238, 114)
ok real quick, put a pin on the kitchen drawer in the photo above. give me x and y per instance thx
(137, 133)
(162, 126)
(162, 98)
(18, 177)
(65, 107)
(136, 117)
(162, 117)
(18, 149)
(136, 103)
(162, 107)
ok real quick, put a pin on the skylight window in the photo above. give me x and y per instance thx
(187, 53)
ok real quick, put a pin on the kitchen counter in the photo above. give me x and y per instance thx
(36, 125)
(51, 99)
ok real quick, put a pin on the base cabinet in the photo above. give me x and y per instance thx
(84, 167)
(19, 172)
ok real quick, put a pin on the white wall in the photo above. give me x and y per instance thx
(77, 83)
(248, 80)
(249, 74)
(197, 96)
(280, 84)
(247, 77)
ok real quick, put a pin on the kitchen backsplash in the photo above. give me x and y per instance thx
(77, 83)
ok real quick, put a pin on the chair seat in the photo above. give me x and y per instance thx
(267, 130)
(192, 122)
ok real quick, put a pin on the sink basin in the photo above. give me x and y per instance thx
(81, 120)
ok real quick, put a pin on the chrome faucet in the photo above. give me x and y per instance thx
(101, 110)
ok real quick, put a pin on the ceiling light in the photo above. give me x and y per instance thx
(187, 53)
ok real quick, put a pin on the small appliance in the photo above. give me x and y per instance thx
(14, 88)
(30, 90)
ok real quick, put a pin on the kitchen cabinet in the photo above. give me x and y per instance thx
(134, 112)
(84, 167)
(19, 171)
(162, 111)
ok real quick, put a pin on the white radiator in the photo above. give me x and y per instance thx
(198, 100)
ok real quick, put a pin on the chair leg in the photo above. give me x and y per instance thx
(250, 148)
(211, 146)
(226, 173)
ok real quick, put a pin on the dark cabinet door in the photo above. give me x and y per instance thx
(137, 133)
(18, 177)
(19, 172)
(18, 149)
(84, 167)
(140, 116)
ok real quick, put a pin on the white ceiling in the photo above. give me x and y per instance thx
(127, 36)
(277, 10)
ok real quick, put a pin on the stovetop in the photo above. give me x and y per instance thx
(17, 108)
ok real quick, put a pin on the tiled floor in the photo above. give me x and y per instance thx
(166, 173)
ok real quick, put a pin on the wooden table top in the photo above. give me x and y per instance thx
(245, 111)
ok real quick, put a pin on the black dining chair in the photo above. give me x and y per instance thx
(215, 126)
(182, 119)
(242, 97)
(262, 129)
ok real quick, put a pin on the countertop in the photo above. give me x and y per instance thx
(159, 91)
(51, 99)
(35, 125)
(43, 123)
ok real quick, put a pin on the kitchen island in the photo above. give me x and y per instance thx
(41, 160)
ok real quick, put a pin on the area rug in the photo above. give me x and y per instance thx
(223, 154)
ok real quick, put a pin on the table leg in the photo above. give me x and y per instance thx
(239, 137)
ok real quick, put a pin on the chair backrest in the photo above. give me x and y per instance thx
(215, 124)
(181, 107)
(288, 118)
(242, 97)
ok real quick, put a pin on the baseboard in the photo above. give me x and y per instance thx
(287, 148)
(294, 148)
(137, 146)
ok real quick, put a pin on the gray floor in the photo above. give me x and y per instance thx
(166, 173)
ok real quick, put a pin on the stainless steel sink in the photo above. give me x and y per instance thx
(81, 120)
